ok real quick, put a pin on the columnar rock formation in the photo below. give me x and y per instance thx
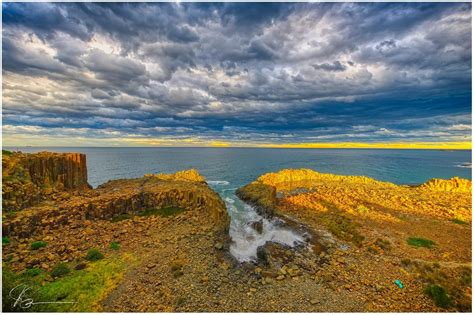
(61, 171)
(31, 178)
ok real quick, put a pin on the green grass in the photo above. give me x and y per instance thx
(121, 217)
(85, 287)
(38, 244)
(7, 153)
(94, 254)
(420, 242)
(458, 221)
(5, 240)
(60, 270)
(115, 245)
(439, 295)
(32, 272)
(164, 212)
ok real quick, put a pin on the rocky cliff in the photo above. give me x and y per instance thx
(454, 184)
(319, 192)
(30, 178)
(374, 232)
(125, 197)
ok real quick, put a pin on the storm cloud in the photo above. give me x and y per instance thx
(118, 73)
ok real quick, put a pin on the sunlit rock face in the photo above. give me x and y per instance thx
(454, 184)
(307, 191)
(191, 175)
(31, 178)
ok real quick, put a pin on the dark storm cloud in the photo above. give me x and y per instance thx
(239, 72)
(335, 66)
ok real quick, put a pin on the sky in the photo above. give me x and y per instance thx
(243, 74)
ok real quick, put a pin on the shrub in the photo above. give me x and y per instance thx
(383, 244)
(6, 152)
(94, 254)
(176, 269)
(59, 270)
(38, 244)
(439, 295)
(459, 221)
(5, 240)
(176, 266)
(420, 242)
(32, 272)
(115, 245)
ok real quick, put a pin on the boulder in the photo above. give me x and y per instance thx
(257, 226)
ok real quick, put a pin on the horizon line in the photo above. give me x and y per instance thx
(338, 145)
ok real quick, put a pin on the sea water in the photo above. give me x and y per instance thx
(227, 169)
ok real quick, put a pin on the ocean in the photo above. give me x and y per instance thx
(227, 169)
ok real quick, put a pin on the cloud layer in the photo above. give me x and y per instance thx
(160, 73)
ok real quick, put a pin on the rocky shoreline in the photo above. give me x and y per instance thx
(160, 242)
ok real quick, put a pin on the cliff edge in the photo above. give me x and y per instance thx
(376, 232)
(30, 178)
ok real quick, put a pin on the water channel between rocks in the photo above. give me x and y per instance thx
(243, 231)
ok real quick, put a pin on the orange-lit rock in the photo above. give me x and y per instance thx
(454, 184)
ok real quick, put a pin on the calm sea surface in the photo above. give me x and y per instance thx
(226, 169)
(242, 165)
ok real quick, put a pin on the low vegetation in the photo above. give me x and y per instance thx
(343, 228)
(164, 212)
(94, 254)
(420, 242)
(115, 245)
(459, 221)
(38, 244)
(5, 240)
(176, 269)
(121, 217)
(7, 153)
(439, 295)
(60, 270)
(447, 287)
(85, 288)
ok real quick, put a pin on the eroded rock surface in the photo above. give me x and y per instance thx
(454, 184)
(376, 232)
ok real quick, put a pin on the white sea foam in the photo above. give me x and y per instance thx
(464, 165)
(218, 182)
(229, 200)
(246, 240)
